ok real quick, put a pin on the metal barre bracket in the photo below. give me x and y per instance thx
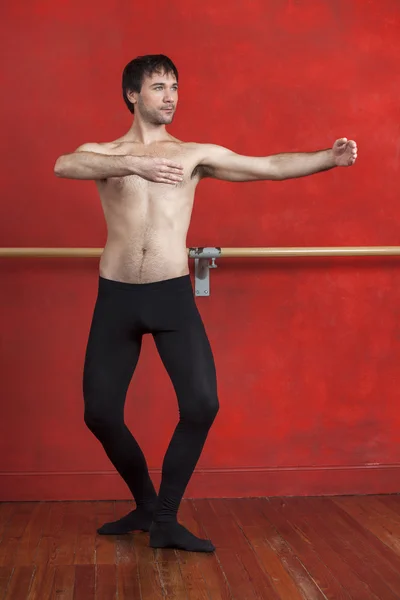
(202, 268)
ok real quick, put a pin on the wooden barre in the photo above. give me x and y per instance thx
(213, 252)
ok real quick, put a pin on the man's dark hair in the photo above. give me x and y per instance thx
(134, 72)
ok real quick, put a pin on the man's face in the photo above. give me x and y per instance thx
(157, 99)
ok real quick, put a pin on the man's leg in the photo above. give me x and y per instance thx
(186, 353)
(112, 354)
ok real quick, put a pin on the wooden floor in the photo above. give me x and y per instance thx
(278, 548)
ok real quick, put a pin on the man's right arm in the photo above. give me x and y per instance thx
(90, 161)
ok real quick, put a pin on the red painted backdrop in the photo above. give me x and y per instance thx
(307, 350)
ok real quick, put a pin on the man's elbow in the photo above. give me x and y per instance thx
(60, 167)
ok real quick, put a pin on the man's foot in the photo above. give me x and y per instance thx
(175, 535)
(137, 520)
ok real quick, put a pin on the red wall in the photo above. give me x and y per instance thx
(307, 350)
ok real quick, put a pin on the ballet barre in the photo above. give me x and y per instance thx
(205, 257)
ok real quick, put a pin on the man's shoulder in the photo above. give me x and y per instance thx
(201, 149)
(98, 147)
(198, 145)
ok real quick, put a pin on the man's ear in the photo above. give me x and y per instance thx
(132, 96)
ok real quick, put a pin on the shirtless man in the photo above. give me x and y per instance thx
(146, 181)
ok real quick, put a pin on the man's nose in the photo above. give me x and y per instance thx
(168, 97)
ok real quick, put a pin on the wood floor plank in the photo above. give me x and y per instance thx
(5, 578)
(213, 583)
(355, 508)
(124, 544)
(85, 550)
(149, 575)
(27, 549)
(105, 544)
(13, 532)
(127, 567)
(7, 509)
(367, 535)
(106, 582)
(63, 583)
(68, 535)
(46, 552)
(383, 513)
(169, 572)
(54, 522)
(252, 523)
(333, 550)
(320, 573)
(287, 556)
(60, 541)
(224, 533)
(42, 583)
(191, 576)
(85, 582)
(128, 582)
(188, 563)
(135, 576)
(370, 566)
(171, 579)
(138, 569)
(21, 579)
(261, 580)
(392, 501)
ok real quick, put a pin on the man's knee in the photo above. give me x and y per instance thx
(202, 410)
(100, 413)
(100, 420)
(95, 420)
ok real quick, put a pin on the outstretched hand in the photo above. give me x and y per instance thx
(344, 152)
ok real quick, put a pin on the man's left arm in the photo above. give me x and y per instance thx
(221, 163)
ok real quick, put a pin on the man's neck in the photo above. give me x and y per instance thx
(146, 133)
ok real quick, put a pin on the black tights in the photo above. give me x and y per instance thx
(122, 314)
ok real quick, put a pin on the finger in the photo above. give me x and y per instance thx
(165, 180)
(170, 179)
(173, 171)
(174, 174)
(174, 179)
(170, 171)
(171, 163)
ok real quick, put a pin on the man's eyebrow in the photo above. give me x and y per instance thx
(163, 84)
